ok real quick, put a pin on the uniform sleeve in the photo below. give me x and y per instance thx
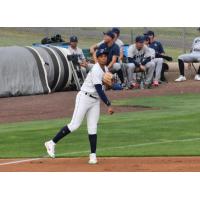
(82, 56)
(102, 94)
(116, 51)
(147, 56)
(130, 51)
(147, 52)
(99, 44)
(161, 49)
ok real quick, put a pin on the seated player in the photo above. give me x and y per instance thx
(119, 42)
(159, 50)
(114, 52)
(139, 59)
(193, 57)
(75, 50)
(158, 62)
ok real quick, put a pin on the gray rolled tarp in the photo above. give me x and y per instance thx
(21, 72)
(33, 70)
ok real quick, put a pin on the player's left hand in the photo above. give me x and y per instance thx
(142, 68)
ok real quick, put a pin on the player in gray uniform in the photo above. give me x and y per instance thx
(75, 50)
(139, 56)
(158, 62)
(193, 57)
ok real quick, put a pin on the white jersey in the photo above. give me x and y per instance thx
(77, 52)
(95, 76)
(138, 55)
(196, 45)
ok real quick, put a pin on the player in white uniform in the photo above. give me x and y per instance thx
(87, 104)
(193, 57)
(139, 56)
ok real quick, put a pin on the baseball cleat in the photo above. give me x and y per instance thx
(155, 84)
(50, 146)
(180, 78)
(93, 159)
(134, 86)
(197, 77)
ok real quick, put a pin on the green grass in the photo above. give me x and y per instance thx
(171, 129)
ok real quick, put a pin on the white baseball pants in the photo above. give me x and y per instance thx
(85, 106)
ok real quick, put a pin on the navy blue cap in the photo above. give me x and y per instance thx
(149, 33)
(101, 51)
(139, 39)
(110, 33)
(116, 30)
(73, 38)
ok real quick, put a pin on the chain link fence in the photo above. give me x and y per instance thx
(175, 40)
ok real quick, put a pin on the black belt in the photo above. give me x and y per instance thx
(90, 95)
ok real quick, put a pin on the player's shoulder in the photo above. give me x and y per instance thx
(158, 43)
(96, 68)
(132, 46)
(102, 45)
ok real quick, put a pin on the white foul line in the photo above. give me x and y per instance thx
(20, 161)
(108, 148)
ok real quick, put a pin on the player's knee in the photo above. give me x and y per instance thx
(181, 58)
(131, 66)
(116, 66)
(72, 126)
(151, 65)
(92, 130)
(160, 60)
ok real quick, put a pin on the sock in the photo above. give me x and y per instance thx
(120, 75)
(162, 75)
(198, 72)
(62, 133)
(93, 142)
(181, 67)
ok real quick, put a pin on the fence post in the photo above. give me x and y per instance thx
(184, 39)
(131, 35)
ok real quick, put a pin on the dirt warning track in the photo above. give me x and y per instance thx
(111, 164)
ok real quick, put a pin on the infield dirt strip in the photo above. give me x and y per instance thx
(111, 164)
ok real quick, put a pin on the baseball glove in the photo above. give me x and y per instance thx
(108, 79)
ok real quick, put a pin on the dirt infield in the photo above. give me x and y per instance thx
(115, 164)
(60, 105)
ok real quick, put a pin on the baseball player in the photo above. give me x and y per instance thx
(158, 62)
(192, 57)
(117, 41)
(139, 58)
(88, 104)
(75, 50)
(159, 50)
(113, 56)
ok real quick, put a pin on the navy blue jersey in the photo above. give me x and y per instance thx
(157, 46)
(112, 51)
